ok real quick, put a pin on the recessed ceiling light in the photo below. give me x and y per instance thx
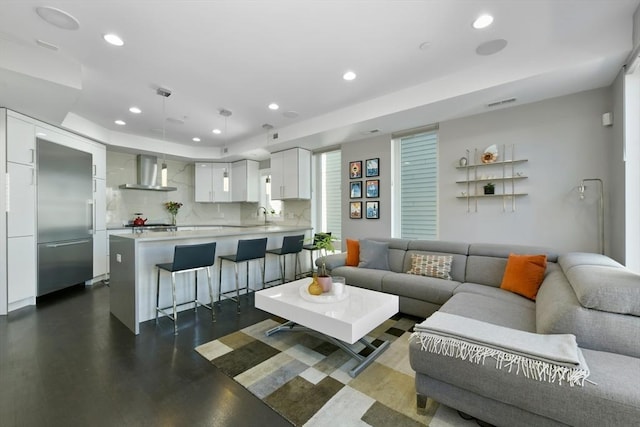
(135, 110)
(120, 122)
(195, 139)
(349, 75)
(273, 106)
(483, 21)
(113, 39)
(58, 18)
(217, 131)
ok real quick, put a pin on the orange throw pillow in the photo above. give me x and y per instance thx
(353, 253)
(524, 274)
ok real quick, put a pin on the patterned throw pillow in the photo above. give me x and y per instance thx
(431, 265)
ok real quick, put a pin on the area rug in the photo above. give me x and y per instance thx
(306, 380)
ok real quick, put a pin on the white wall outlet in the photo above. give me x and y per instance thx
(118, 258)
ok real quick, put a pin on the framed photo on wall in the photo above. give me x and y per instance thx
(355, 169)
(373, 210)
(373, 186)
(355, 210)
(356, 190)
(371, 167)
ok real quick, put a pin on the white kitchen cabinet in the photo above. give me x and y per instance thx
(100, 254)
(21, 141)
(21, 215)
(100, 204)
(99, 154)
(244, 185)
(209, 182)
(291, 174)
(21, 271)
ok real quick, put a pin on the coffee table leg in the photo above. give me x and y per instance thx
(364, 361)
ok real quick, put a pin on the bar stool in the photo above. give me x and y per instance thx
(290, 245)
(248, 250)
(187, 258)
(312, 247)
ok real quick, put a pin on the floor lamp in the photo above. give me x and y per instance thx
(581, 189)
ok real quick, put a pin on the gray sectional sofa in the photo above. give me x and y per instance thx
(587, 295)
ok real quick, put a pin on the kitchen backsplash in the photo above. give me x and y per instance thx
(123, 204)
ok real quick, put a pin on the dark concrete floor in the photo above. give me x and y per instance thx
(68, 362)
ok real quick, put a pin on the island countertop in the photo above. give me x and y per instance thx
(213, 232)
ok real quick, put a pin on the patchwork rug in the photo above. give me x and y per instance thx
(306, 380)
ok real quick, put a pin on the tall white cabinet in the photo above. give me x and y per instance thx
(19, 252)
(291, 174)
(244, 182)
(209, 182)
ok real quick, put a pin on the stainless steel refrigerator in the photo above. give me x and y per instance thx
(65, 216)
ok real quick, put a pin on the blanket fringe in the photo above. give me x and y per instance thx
(512, 363)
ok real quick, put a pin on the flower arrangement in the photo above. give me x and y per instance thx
(173, 207)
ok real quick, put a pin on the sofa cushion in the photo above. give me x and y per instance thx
(431, 265)
(612, 289)
(493, 310)
(374, 255)
(558, 311)
(353, 253)
(367, 278)
(524, 274)
(485, 270)
(496, 293)
(423, 288)
(572, 259)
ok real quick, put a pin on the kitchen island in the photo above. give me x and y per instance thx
(133, 275)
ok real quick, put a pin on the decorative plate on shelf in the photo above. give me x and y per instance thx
(325, 298)
(490, 154)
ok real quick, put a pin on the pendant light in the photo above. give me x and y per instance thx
(267, 182)
(225, 175)
(164, 171)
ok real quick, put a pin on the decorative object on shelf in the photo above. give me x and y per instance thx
(373, 210)
(356, 190)
(463, 161)
(490, 154)
(355, 169)
(373, 186)
(489, 188)
(355, 210)
(173, 208)
(372, 168)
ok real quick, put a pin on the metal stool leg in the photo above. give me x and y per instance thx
(175, 311)
(297, 265)
(157, 295)
(237, 287)
(220, 282)
(196, 304)
(264, 264)
(213, 312)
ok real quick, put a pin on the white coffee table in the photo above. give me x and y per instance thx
(343, 323)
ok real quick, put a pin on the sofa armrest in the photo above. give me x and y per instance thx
(332, 261)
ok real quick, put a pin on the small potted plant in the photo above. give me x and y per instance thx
(489, 188)
(324, 242)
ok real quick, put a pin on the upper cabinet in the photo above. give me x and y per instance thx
(291, 174)
(21, 142)
(213, 182)
(244, 182)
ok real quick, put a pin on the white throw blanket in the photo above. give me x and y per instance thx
(542, 357)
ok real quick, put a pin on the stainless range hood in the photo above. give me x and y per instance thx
(147, 174)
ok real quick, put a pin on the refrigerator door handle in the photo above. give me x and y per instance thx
(91, 211)
(57, 245)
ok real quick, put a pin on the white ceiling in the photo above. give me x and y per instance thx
(242, 55)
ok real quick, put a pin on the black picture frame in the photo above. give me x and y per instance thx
(373, 188)
(355, 190)
(355, 210)
(372, 167)
(373, 209)
(355, 169)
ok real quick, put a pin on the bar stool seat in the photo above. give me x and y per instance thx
(290, 245)
(248, 250)
(312, 247)
(187, 258)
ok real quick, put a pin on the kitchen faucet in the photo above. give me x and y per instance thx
(264, 212)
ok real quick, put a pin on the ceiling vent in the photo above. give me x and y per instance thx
(370, 132)
(502, 102)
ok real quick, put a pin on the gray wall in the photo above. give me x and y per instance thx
(564, 142)
(617, 179)
(379, 146)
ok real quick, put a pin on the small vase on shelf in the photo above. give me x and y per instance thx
(173, 219)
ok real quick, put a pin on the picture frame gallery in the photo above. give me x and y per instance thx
(369, 209)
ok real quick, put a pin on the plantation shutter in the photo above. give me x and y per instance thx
(332, 206)
(419, 186)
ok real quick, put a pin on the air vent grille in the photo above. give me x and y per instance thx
(502, 102)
